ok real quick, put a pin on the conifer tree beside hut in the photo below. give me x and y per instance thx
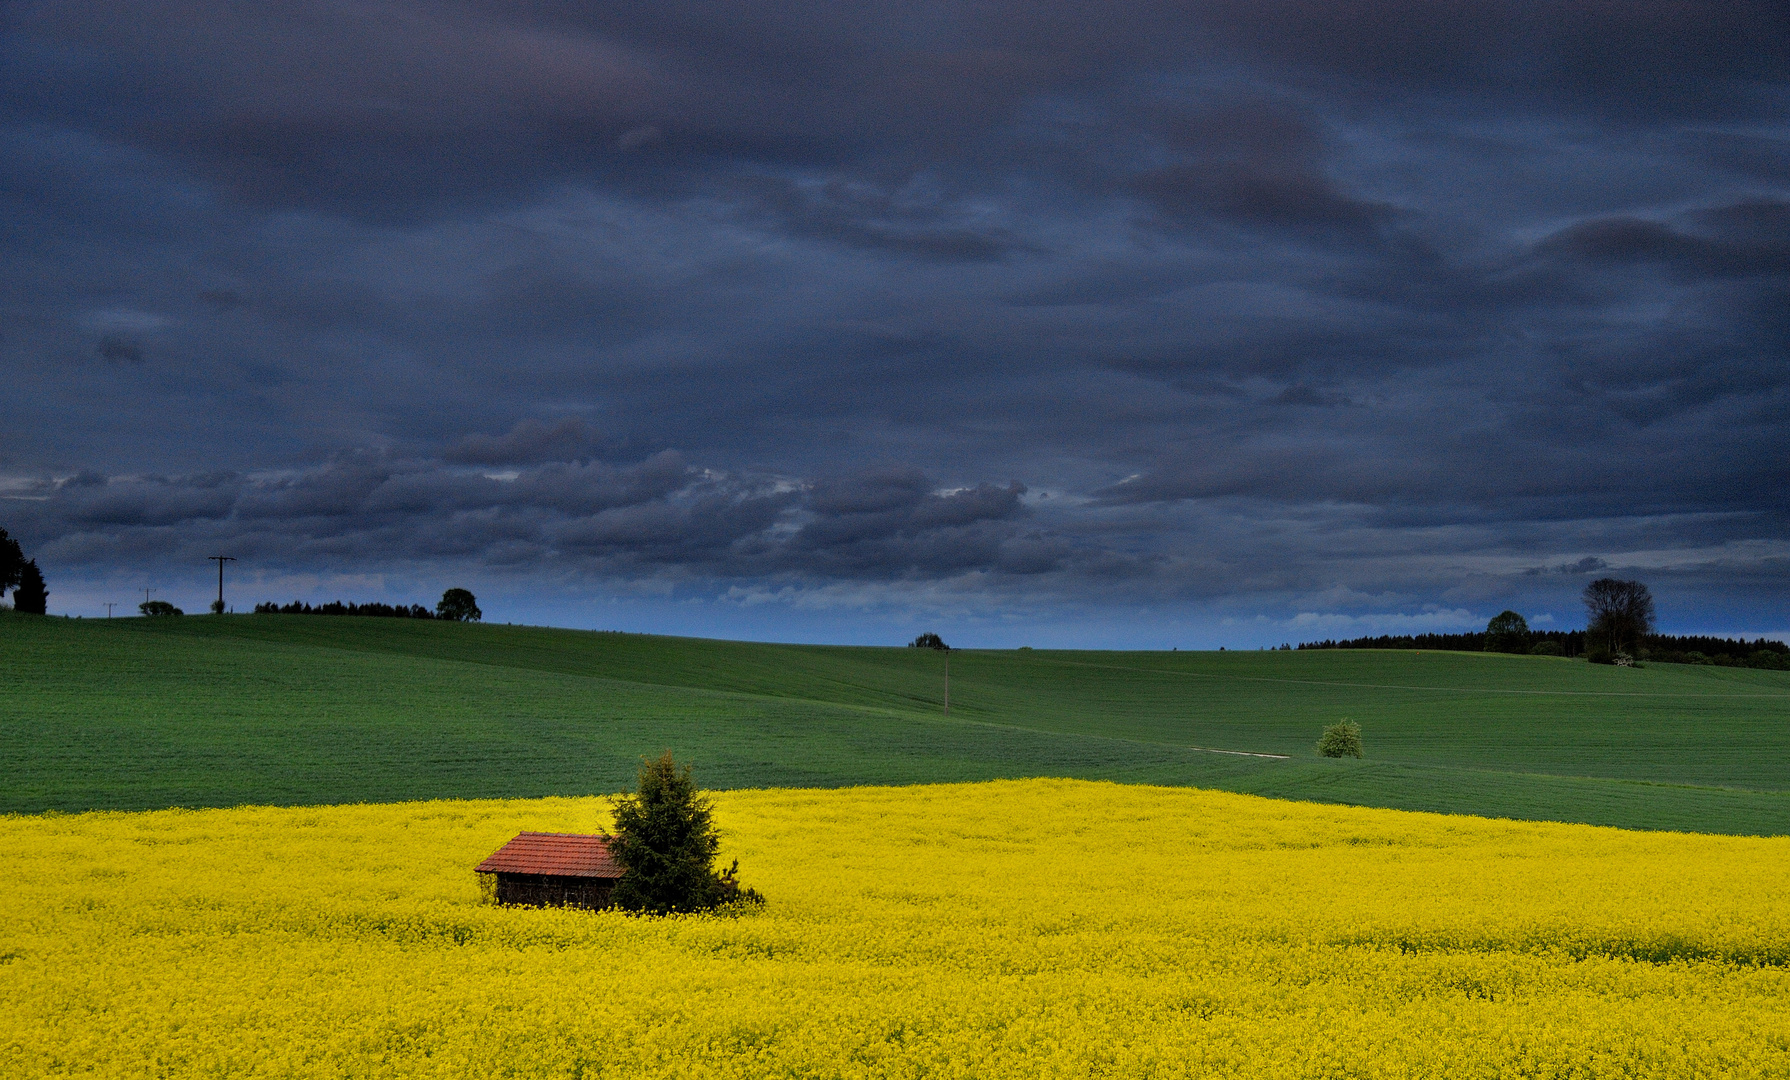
(666, 843)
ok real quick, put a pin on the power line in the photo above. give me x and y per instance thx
(221, 560)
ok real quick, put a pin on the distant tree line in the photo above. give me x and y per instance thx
(457, 605)
(1722, 652)
(1660, 648)
(1570, 642)
(336, 607)
(1619, 618)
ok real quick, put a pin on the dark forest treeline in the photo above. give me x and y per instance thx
(1694, 649)
(1659, 648)
(336, 607)
(1572, 642)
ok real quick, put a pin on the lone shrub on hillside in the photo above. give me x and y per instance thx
(1341, 739)
(158, 609)
(929, 641)
(666, 842)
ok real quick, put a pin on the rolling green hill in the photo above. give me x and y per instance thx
(203, 711)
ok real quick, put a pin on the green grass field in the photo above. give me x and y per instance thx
(207, 711)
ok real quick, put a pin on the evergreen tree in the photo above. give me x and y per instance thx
(666, 842)
(32, 597)
(12, 562)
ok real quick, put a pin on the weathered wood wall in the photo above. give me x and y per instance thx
(546, 890)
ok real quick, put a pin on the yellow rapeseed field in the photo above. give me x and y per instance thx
(1018, 929)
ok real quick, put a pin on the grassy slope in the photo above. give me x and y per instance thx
(204, 711)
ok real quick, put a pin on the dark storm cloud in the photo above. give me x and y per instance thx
(1753, 241)
(1590, 564)
(889, 520)
(1257, 165)
(1750, 156)
(657, 516)
(388, 103)
(863, 216)
(1301, 394)
(528, 442)
(1315, 306)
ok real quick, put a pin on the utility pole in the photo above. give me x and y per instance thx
(146, 593)
(109, 608)
(221, 560)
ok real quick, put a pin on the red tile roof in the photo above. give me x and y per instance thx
(561, 854)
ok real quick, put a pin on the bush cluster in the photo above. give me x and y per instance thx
(1341, 739)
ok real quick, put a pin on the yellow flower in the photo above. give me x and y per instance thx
(1035, 928)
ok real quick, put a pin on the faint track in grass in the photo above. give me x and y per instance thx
(1242, 753)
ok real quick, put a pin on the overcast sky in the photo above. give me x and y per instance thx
(1121, 323)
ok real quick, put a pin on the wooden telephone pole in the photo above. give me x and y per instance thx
(221, 560)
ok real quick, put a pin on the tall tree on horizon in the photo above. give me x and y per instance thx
(1621, 612)
(1507, 632)
(459, 605)
(12, 562)
(31, 598)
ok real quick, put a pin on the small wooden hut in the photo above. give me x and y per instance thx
(552, 870)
